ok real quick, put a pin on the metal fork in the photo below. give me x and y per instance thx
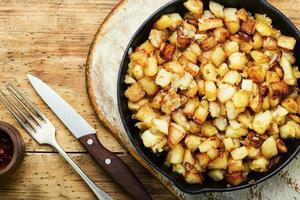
(41, 129)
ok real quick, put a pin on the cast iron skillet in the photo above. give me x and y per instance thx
(280, 22)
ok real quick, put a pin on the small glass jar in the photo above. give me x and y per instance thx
(12, 149)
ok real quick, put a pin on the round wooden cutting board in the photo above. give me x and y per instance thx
(102, 69)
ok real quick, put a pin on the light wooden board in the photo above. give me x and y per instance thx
(51, 39)
(102, 69)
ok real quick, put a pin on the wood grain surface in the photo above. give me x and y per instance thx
(51, 39)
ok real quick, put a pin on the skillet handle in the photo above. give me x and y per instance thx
(115, 167)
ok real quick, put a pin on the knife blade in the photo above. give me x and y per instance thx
(111, 163)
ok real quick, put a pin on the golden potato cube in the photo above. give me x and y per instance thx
(216, 9)
(261, 121)
(161, 125)
(148, 86)
(235, 166)
(222, 69)
(208, 144)
(288, 76)
(147, 47)
(163, 22)
(138, 72)
(163, 78)
(213, 153)
(176, 134)
(151, 69)
(179, 169)
(232, 22)
(135, 92)
(179, 117)
(210, 90)
(220, 162)
(210, 23)
(269, 148)
(175, 67)
(149, 139)
(192, 142)
(221, 34)
(139, 57)
(216, 174)
(145, 114)
(228, 143)
(220, 123)
(247, 85)
(240, 99)
(209, 72)
(246, 47)
(231, 47)
(259, 57)
(232, 77)
(235, 178)
(218, 56)
(208, 129)
(287, 131)
(257, 41)
(290, 104)
(259, 165)
(230, 110)
(245, 118)
(203, 159)
(190, 106)
(239, 153)
(235, 133)
(194, 178)
(237, 61)
(156, 38)
(194, 6)
(286, 42)
(253, 152)
(188, 157)
(256, 103)
(263, 29)
(177, 153)
(192, 69)
(214, 109)
(200, 115)
(225, 92)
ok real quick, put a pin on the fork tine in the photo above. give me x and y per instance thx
(29, 130)
(29, 102)
(11, 89)
(20, 111)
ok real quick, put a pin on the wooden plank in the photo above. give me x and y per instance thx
(48, 176)
(51, 39)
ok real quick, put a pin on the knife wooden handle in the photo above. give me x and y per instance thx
(115, 167)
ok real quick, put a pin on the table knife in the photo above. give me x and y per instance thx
(111, 163)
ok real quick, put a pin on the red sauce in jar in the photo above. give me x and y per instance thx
(6, 150)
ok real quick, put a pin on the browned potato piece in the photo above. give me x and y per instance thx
(148, 86)
(217, 9)
(139, 57)
(281, 146)
(235, 166)
(242, 14)
(211, 23)
(194, 6)
(192, 142)
(163, 22)
(135, 92)
(279, 89)
(167, 51)
(290, 104)
(176, 134)
(270, 43)
(263, 29)
(194, 177)
(177, 153)
(248, 26)
(235, 178)
(259, 57)
(286, 42)
(257, 74)
(220, 162)
(221, 34)
(208, 43)
(232, 22)
(269, 148)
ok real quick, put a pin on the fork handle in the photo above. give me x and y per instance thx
(115, 167)
(97, 191)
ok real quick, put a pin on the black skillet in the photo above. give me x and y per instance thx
(280, 22)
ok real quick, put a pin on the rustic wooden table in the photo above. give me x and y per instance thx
(50, 39)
